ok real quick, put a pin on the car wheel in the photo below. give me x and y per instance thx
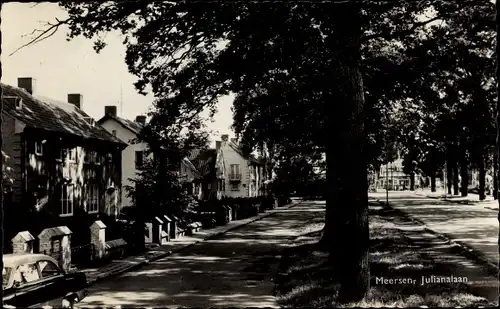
(69, 302)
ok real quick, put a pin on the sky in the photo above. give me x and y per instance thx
(60, 67)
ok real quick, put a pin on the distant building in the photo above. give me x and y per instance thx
(245, 175)
(391, 176)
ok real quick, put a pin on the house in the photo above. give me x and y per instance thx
(210, 167)
(65, 166)
(393, 176)
(245, 175)
(134, 155)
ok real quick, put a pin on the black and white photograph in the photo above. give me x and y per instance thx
(250, 154)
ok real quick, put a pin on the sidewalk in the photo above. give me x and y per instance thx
(469, 227)
(117, 267)
(471, 198)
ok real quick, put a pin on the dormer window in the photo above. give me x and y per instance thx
(16, 101)
(89, 120)
(19, 103)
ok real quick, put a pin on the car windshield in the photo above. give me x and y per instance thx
(5, 275)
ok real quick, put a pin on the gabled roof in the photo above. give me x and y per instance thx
(47, 114)
(239, 151)
(204, 160)
(130, 125)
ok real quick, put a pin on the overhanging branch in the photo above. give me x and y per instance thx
(412, 29)
(45, 34)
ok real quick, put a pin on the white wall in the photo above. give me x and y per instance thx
(128, 156)
(232, 157)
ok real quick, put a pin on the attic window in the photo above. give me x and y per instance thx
(90, 121)
(113, 132)
(19, 103)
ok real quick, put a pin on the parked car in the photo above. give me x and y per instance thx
(36, 280)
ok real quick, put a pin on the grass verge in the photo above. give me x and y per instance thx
(304, 278)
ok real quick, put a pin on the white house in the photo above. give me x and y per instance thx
(133, 155)
(245, 175)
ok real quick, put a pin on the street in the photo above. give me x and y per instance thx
(471, 224)
(233, 270)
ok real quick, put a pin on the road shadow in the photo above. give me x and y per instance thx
(236, 269)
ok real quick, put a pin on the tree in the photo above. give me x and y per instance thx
(158, 189)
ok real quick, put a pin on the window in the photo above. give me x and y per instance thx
(139, 159)
(234, 171)
(60, 154)
(235, 187)
(209, 186)
(38, 148)
(113, 132)
(67, 200)
(96, 157)
(87, 157)
(72, 154)
(48, 269)
(93, 199)
(26, 273)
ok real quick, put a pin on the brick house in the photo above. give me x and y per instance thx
(245, 175)
(66, 168)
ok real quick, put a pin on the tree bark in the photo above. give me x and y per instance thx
(495, 175)
(412, 181)
(347, 199)
(464, 174)
(482, 179)
(433, 182)
(456, 179)
(449, 175)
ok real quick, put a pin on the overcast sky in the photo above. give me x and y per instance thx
(60, 67)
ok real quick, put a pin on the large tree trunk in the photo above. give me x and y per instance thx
(495, 175)
(449, 176)
(347, 199)
(433, 182)
(482, 179)
(456, 179)
(412, 181)
(464, 174)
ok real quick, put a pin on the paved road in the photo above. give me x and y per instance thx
(472, 224)
(233, 270)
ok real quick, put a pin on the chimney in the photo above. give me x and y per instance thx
(224, 137)
(141, 120)
(26, 83)
(217, 145)
(234, 140)
(76, 99)
(110, 110)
